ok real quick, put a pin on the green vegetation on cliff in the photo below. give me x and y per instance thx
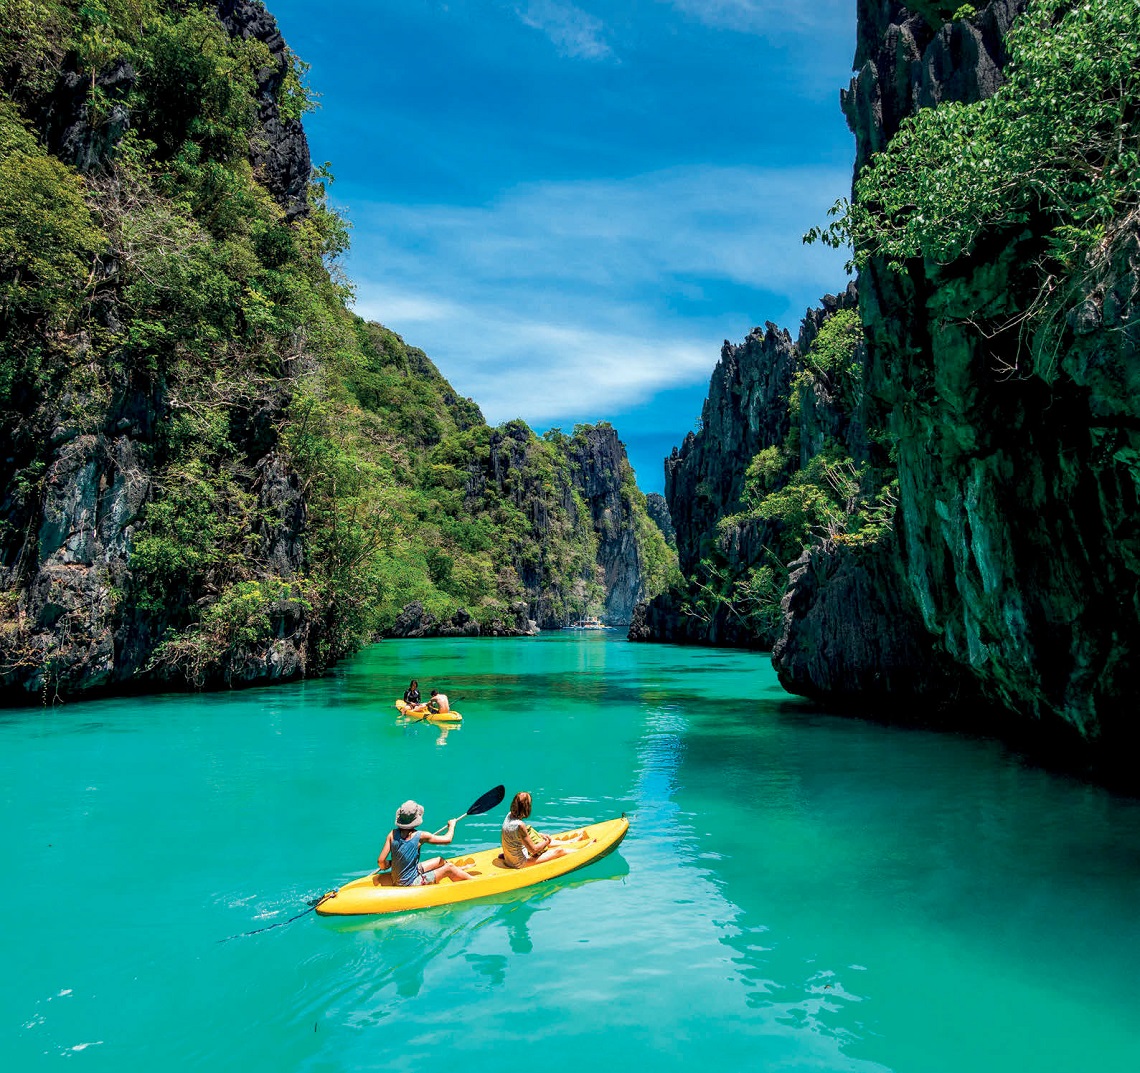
(805, 491)
(1055, 151)
(174, 329)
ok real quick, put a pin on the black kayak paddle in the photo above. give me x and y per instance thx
(482, 804)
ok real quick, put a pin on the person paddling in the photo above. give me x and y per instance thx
(402, 847)
(522, 846)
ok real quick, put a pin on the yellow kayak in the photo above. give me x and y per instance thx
(432, 717)
(377, 893)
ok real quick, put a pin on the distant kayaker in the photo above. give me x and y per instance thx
(438, 702)
(522, 845)
(412, 694)
(403, 845)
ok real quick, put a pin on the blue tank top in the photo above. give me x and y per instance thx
(405, 857)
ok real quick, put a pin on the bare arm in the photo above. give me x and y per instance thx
(382, 860)
(535, 848)
(440, 840)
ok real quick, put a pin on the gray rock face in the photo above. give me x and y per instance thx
(280, 152)
(853, 637)
(71, 132)
(906, 58)
(1017, 553)
(598, 466)
(67, 623)
(63, 631)
(658, 509)
(746, 411)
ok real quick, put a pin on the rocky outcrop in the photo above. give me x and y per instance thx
(576, 492)
(601, 474)
(907, 56)
(1017, 562)
(81, 459)
(853, 637)
(70, 131)
(746, 410)
(416, 621)
(657, 508)
(279, 150)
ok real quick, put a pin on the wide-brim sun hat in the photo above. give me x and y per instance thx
(409, 816)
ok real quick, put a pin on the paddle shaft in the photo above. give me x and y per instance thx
(450, 822)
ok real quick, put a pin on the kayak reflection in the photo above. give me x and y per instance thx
(452, 931)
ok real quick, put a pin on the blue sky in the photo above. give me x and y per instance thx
(569, 206)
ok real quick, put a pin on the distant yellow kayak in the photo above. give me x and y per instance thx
(431, 717)
(376, 893)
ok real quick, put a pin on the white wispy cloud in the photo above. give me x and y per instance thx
(546, 372)
(574, 32)
(562, 300)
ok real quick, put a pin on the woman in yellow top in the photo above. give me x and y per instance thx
(522, 846)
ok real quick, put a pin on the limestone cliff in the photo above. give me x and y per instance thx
(762, 401)
(994, 581)
(1017, 479)
(83, 450)
(658, 509)
(602, 476)
(214, 473)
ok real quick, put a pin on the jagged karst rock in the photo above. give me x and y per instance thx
(599, 461)
(658, 508)
(1017, 555)
(279, 151)
(414, 621)
(746, 410)
(70, 130)
(461, 624)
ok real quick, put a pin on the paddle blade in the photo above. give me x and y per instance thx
(488, 801)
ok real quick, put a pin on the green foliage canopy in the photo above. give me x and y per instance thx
(1058, 142)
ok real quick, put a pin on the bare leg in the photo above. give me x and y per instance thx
(452, 872)
(551, 854)
(443, 870)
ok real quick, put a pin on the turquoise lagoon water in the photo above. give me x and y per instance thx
(797, 891)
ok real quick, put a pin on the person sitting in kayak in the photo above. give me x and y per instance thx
(437, 704)
(522, 845)
(412, 694)
(403, 846)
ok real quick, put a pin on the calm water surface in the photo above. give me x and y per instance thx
(797, 891)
